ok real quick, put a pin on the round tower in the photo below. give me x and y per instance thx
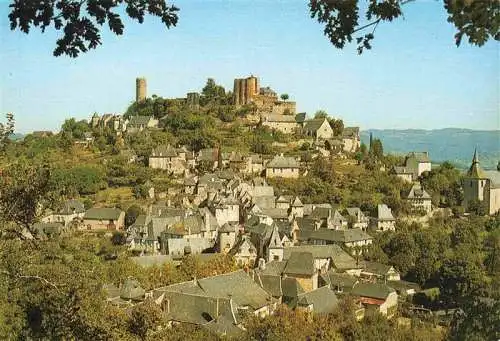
(140, 89)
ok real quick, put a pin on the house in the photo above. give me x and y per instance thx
(377, 296)
(357, 219)
(48, 230)
(104, 219)
(263, 196)
(226, 237)
(329, 218)
(283, 167)
(354, 239)
(244, 252)
(379, 271)
(71, 210)
(385, 220)
(482, 186)
(419, 199)
(226, 209)
(318, 129)
(417, 163)
(300, 265)
(139, 123)
(284, 123)
(403, 173)
(223, 300)
(209, 157)
(320, 301)
(325, 257)
(341, 283)
(168, 158)
(351, 139)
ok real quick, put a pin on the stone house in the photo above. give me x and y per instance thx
(283, 167)
(300, 266)
(351, 139)
(71, 210)
(318, 129)
(226, 209)
(352, 238)
(209, 156)
(104, 219)
(403, 173)
(357, 219)
(482, 186)
(377, 296)
(284, 123)
(379, 271)
(385, 220)
(417, 163)
(139, 123)
(226, 237)
(244, 252)
(168, 158)
(419, 199)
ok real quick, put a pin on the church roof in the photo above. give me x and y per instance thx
(475, 171)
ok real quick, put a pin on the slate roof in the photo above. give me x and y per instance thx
(341, 260)
(314, 125)
(102, 214)
(417, 192)
(208, 154)
(276, 213)
(263, 191)
(323, 299)
(372, 290)
(283, 162)
(48, 229)
(297, 203)
(494, 177)
(291, 287)
(71, 207)
(384, 212)
(336, 280)
(132, 290)
(271, 284)
(350, 132)
(341, 236)
(377, 268)
(421, 157)
(273, 268)
(300, 263)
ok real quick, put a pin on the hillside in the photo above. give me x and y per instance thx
(454, 145)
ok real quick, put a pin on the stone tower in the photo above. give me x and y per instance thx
(245, 89)
(140, 89)
(474, 183)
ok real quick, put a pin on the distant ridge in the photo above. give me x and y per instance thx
(447, 144)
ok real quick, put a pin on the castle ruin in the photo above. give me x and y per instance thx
(140, 89)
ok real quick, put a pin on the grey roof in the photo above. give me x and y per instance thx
(419, 156)
(297, 203)
(350, 132)
(291, 287)
(323, 299)
(263, 191)
(273, 268)
(341, 260)
(271, 284)
(72, 207)
(284, 199)
(340, 236)
(402, 170)
(102, 214)
(494, 176)
(372, 290)
(337, 280)
(377, 268)
(275, 213)
(48, 229)
(384, 212)
(300, 263)
(417, 192)
(314, 125)
(283, 162)
(208, 154)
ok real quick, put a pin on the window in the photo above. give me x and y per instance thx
(276, 257)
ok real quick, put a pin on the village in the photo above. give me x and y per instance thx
(303, 255)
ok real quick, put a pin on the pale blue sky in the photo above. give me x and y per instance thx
(414, 77)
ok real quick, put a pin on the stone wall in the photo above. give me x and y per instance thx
(140, 89)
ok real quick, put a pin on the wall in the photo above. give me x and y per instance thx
(307, 283)
(494, 200)
(291, 173)
(423, 167)
(386, 225)
(103, 224)
(284, 127)
(229, 213)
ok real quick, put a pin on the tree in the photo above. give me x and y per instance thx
(144, 318)
(132, 213)
(478, 20)
(320, 114)
(6, 129)
(477, 319)
(81, 21)
(75, 129)
(376, 149)
(212, 93)
(337, 126)
(284, 97)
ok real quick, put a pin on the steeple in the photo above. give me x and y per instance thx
(475, 170)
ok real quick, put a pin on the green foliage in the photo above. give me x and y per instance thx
(444, 185)
(337, 126)
(6, 130)
(320, 114)
(478, 319)
(83, 179)
(284, 97)
(132, 213)
(213, 94)
(84, 18)
(145, 317)
(478, 20)
(75, 129)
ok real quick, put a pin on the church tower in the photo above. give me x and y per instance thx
(474, 183)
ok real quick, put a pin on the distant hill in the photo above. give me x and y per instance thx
(450, 144)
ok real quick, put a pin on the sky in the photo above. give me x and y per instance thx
(414, 76)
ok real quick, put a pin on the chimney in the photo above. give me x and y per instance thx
(262, 264)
